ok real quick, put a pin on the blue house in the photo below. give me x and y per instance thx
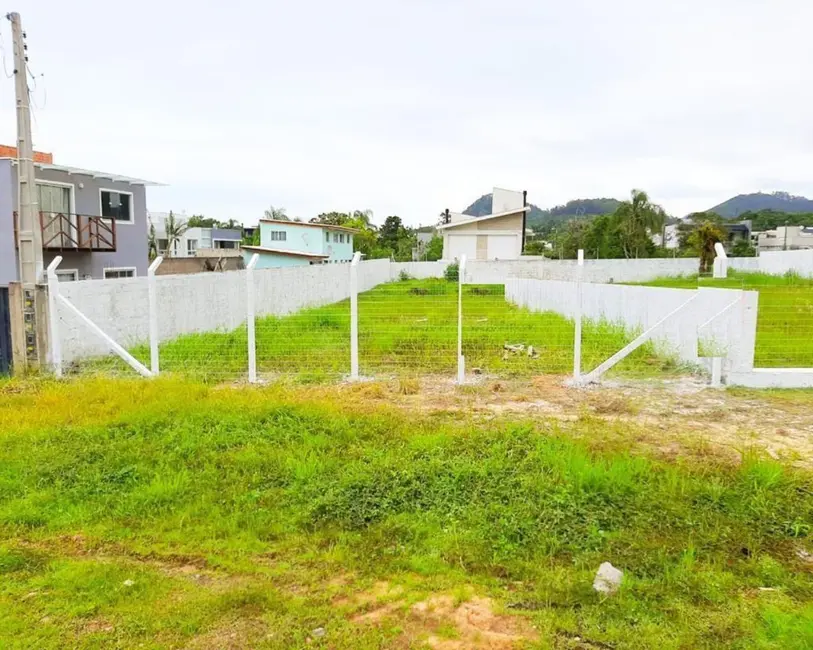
(291, 243)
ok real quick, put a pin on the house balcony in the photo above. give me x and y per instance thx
(75, 232)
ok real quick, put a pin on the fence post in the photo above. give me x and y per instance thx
(153, 307)
(53, 317)
(461, 360)
(577, 338)
(252, 342)
(354, 316)
(720, 265)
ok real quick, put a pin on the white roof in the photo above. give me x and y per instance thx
(94, 174)
(486, 217)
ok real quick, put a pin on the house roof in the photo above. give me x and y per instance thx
(93, 173)
(455, 224)
(263, 249)
(326, 226)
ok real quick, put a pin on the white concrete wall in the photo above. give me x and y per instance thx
(202, 302)
(780, 262)
(608, 271)
(750, 264)
(639, 308)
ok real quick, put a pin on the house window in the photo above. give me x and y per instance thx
(335, 238)
(162, 246)
(117, 205)
(225, 243)
(124, 272)
(278, 235)
(327, 236)
(191, 246)
(68, 275)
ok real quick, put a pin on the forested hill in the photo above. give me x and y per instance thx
(775, 201)
(539, 218)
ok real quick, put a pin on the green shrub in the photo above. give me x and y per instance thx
(452, 272)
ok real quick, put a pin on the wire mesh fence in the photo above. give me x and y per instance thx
(520, 327)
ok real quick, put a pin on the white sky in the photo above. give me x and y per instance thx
(408, 107)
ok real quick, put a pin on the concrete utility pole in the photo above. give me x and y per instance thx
(29, 231)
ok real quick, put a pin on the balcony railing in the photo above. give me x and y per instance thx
(75, 232)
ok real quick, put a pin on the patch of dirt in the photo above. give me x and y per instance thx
(681, 416)
(442, 623)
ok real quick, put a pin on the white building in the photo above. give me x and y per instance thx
(495, 236)
(196, 241)
(784, 238)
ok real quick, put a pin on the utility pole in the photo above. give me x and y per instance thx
(29, 231)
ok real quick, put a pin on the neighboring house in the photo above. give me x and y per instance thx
(495, 236)
(737, 232)
(785, 238)
(292, 243)
(196, 242)
(422, 240)
(97, 221)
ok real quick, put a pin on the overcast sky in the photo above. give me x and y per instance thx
(409, 107)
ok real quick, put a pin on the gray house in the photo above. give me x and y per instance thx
(97, 221)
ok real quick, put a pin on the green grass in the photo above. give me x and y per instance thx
(784, 319)
(109, 487)
(407, 327)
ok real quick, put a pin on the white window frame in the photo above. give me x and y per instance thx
(70, 186)
(274, 235)
(132, 205)
(189, 250)
(120, 268)
(73, 272)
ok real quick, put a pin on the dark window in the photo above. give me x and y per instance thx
(117, 205)
(225, 244)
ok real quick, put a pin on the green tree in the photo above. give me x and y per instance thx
(702, 240)
(743, 249)
(637, 219)
(391, 232)
(199, 221)
(175, 229)
(275, 214)
(434, 249)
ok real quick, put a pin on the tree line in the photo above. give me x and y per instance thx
(627, 233)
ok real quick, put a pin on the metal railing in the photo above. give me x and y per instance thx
(62, 231)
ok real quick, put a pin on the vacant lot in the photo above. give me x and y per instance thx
(408, 327)
(166, 514)
(785, 318)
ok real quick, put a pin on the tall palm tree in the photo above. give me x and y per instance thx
(702, 239)
(638, 218)
(275, 214)
(175, 229)
(152, 243)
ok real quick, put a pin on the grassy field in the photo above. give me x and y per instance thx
(407, 327)
(167, 514)
(784, 320)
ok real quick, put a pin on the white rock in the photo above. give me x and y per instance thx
(128, 583)
(608, 579)
(319, 632)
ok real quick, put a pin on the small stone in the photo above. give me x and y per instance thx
(128, 583)
(319, 632)
(477, 371)
(608, 579)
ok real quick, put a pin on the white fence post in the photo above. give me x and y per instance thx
(354, 316)
(461, 360)
(720, 266)
(252, 341)
(577, 337)
(153, 307)
(53, 317)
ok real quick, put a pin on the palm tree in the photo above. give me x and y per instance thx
(638, 217)
(275, 214)
(175, 229)
(702, 239)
